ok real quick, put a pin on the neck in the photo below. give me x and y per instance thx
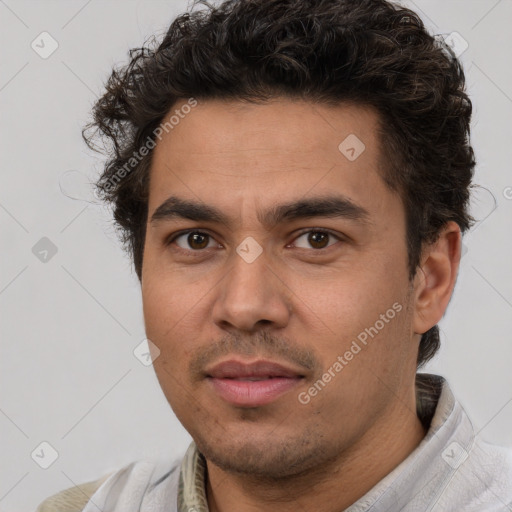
(329, 488)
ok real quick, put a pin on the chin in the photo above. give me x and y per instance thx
(268, 455)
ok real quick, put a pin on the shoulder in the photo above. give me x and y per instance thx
(139, 480)
(484, 479)
(495, 465)
(73, 499)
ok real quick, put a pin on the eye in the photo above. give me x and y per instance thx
(195, 240)
(316, 239)
(199, 240)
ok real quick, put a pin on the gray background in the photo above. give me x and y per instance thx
(69, 324)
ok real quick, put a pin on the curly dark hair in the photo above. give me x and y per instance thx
(366, 52)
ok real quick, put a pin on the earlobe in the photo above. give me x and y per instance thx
(435, 278)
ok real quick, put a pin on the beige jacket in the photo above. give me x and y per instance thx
(73, 499)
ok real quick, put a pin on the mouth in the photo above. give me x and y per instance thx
(252, 384)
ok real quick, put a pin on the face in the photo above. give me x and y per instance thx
(275, 283)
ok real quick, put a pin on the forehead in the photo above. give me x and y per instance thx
(238, 154)
(285, 126)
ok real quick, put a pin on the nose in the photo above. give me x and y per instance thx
(250, 296)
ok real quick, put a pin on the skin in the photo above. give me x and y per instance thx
(298, 304)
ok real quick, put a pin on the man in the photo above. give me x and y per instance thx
(292, 180)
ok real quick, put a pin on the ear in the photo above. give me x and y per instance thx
(435, 278)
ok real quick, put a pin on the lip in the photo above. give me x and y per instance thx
(252, 384)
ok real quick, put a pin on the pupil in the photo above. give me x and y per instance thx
(318, 239)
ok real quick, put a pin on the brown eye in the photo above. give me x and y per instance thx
(318, 240)
(195, 240)
(315, 239)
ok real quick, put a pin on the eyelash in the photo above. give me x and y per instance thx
(173, 237)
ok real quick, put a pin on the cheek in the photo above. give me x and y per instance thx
(172, 319)
(362, 317)
(347, 301)
(162, 311)
(158, 307)
(166, 298)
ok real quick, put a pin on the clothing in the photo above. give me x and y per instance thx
(449, 471)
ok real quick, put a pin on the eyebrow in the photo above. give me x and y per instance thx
(327, 206)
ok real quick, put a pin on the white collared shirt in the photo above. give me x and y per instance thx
(451, 470)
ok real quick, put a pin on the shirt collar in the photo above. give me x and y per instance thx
(419, 477)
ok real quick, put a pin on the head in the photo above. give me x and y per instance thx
(262, 120)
